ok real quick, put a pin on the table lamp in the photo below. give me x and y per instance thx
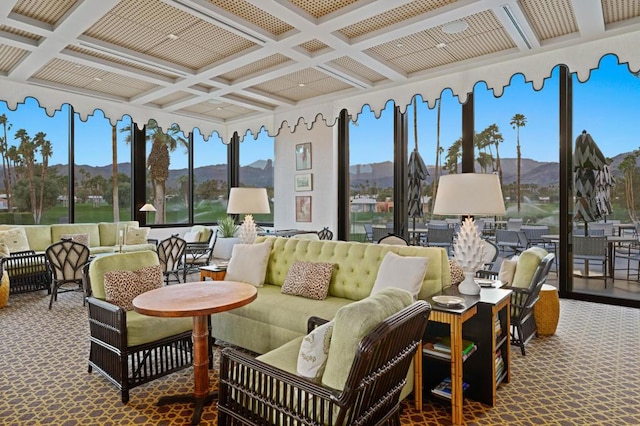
(248, 201)
(146, 209)
(469, 194)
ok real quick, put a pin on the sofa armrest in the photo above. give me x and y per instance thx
(314, 322)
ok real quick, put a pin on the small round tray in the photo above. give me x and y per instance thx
(448, 301)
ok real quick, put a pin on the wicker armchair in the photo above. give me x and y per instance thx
(27, 271)
(170, 253)
(255, 393)
(158, 349)
(66, 259)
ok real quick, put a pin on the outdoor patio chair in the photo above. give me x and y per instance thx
(66, 259)
(511, 242)
(368, 231)
(170, 253)
(631, 253)
(590, 250)
(265, 391)
(440, 237)
(514, 224)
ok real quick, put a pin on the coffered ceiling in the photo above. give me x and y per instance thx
(224, 62)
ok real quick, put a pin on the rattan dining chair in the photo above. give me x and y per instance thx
(170, 253)
(65, 260)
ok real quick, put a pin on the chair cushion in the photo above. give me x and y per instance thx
(116, 262)
(314, 351)
(82, 238)
(122, 286)
(507, 271)
(205, 233)
(406, 272)
(192, 237)
(145, 329)
(526, 267)
(4, 250)
(351, 323)
(136, 235)
(15, 239)
(308, 279)
(248, 263)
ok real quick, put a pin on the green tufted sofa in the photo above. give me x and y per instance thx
(274, 319)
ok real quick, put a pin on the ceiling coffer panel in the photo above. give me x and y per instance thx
(256, 67)
(145, 27)
(550, 19)
(48, 11)
(67, 73)
(313, 45)
(20, 33)
(220, 110)
(302, 85)
(393, 16)
(356, 67)
(254, 15)
(616, 11)
(174, 97)
(320, 8)
(10, 56)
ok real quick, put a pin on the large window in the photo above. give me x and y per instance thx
(256, 168)
(209, 178)
(102, 157)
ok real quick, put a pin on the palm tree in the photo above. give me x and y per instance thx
(517, 121)
(453, 153)
(439, 152)
(494, 137)
(46, 151)
(4, 151)
(629, 168)
(114, 174)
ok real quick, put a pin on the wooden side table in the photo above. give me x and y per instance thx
(212, 271)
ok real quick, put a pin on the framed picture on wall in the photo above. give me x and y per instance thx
(303, 182)
(303, 156)
(303, 208)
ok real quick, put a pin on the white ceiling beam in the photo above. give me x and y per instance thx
(589, 17)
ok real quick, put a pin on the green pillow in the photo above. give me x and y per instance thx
(351, 323)
(526, 266)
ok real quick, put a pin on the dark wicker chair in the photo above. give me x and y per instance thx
(198, 254)
(393, 239)
(66, 259)
(325, 234)
(170, 253)
(110, 354)
(27, 271)
(255, 393)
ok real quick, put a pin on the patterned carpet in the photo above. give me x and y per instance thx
(586, 374)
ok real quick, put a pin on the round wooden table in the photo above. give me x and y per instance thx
(197, 300)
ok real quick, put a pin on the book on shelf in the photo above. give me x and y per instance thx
(444, 388)
(444, 344)
(430, 350)
(497, 327)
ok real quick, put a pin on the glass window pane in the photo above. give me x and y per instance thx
(209, 178)
(256, 168)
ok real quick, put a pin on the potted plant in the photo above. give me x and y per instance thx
(227, 229)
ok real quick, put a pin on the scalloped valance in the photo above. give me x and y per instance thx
(496, 73)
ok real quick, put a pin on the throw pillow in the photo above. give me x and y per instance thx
(4, 250)
(192, 237)
(15, 239)
(314, 350)
(79, 238)
(354, 321)
(507, 271)
(136, 236)
(457, 274)
(308, 279)
(527, 264)
(248, 263)
(121, 287)
(406, 272)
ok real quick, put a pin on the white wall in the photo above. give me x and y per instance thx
(324, 198)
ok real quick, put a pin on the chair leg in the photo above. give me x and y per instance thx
(54, 295)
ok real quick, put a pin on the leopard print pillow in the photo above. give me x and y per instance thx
(457, 274)
(308, 279)
(121, 287)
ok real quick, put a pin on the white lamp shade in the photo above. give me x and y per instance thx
(147, 208)
(469, 194)
(248, 200)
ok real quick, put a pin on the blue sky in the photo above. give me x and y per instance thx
(606, 107)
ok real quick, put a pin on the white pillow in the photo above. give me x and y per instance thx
(314, 351)
(15, 239)
(192, 237)
(507, 271)
(405, 272)
(136, 235)
(248, 263)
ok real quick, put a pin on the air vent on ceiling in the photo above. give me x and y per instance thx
(516, 24)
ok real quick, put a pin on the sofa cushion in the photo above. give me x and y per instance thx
(79, 238)
(136, 235)
(507, 271)
(15, 239)
(144, 329)
(351, 323)
(4, 250)
(308, 279)
(314, 350)
(406, 272)
(527, 264)
(248, 263)
(59, 229)
(114, 262)
(205, 232)
(39, 237)
(109, 231)
(136, 247)
(192, 237)
(122, 286)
